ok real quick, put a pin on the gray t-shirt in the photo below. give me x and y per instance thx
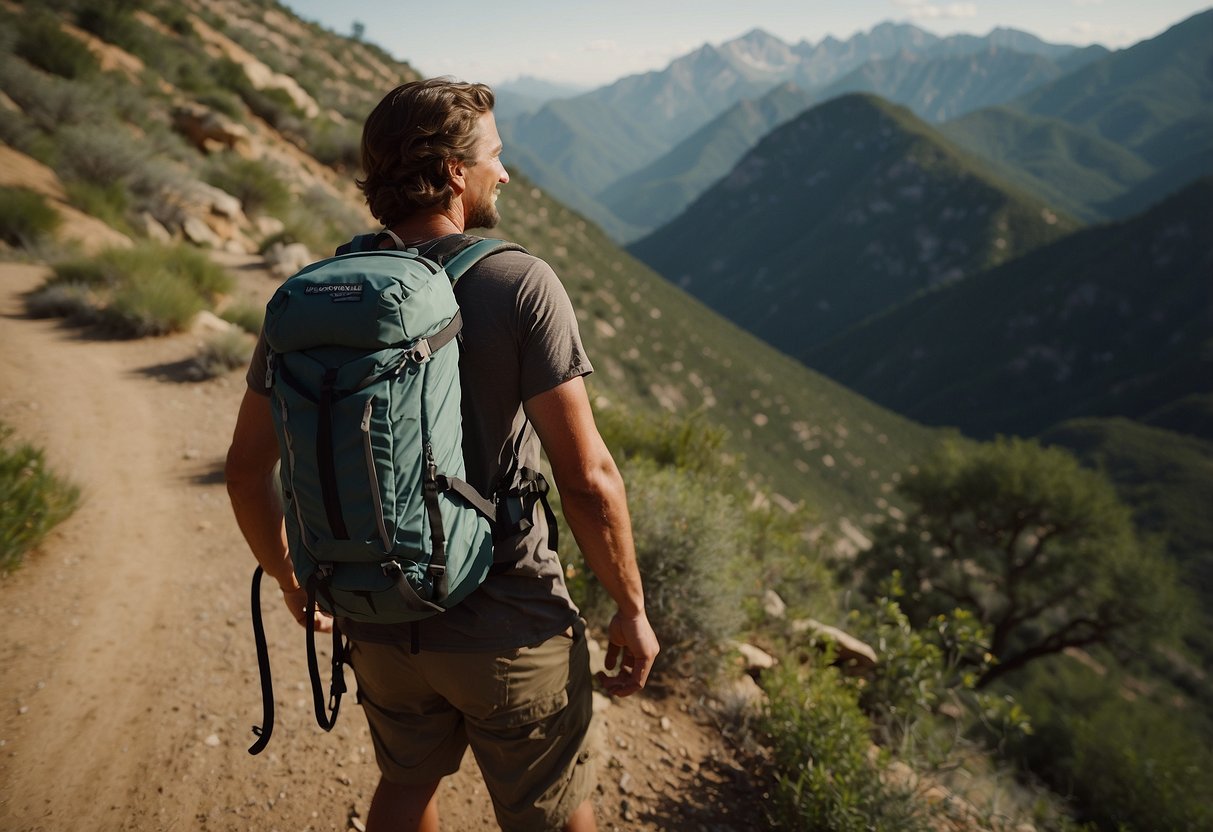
(519, 339)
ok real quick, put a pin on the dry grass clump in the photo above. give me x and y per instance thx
(149, 290)
(32, 499)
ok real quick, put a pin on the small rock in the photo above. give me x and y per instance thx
(23, 710)
(773, 605)
(357, 824)
(625, 783)
(648, 709)
(666, 724)
(212, 741)
(754, 658)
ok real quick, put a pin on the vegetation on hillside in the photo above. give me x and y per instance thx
(1038, 548)
(132, 293)
(33, 499)
(741, 464)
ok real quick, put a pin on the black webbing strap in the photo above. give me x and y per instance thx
(325, 457)
(326, 718)
(262, 732)
(470, 495)
(429, 495)
(533, 488)
(412, 600)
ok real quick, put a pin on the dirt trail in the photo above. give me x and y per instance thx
(129, 679)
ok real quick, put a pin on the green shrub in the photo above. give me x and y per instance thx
(257, 185)
(247, 316)
(146, 305)
(820, 741)
(50, 102)
(690, 543)
(108, 203)
(42, 41)
(75, 302)
(151, 289)
(102, 153)
(25, 216)
(1127, 764)
(222, 353)
(32, 499)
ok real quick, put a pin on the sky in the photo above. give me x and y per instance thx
(591, 44)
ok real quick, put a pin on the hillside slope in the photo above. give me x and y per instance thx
(849, 209)
(1111, 321)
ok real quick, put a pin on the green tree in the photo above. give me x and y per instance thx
(1038, 548)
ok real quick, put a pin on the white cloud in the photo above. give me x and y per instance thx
(1084, 3)
(923, 10)
(602, 45)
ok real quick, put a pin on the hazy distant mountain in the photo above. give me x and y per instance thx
(1110, 139)
(849, 209)
(1138, 97)
(590, 142)
(658, 192)
(1114, 320)
(940, 88)
(526, 94)
(1069, 167)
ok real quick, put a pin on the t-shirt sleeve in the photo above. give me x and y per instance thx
(255, 377)
(549, 342)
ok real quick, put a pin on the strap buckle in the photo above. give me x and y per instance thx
(419, 352)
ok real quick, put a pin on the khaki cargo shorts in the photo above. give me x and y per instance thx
(524, 712)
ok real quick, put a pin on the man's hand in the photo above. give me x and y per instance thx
(296, 602)
(633, 646)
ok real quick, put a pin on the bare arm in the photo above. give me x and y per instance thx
(254, 494)
(595, 505)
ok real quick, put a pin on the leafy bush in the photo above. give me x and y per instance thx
(247, 316)
(257, 185)
(826, 776)
(146, 305)
(75, 302)
(32, 499)
(42, 42)
(689, 542)
(25, 216)
(1128, 764)
(101, 152)
(49, 101)
(148, 290)
(108, 203)
(222, 353)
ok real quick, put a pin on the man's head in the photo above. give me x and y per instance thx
(428, 142)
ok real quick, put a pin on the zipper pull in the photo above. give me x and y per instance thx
(366, 416)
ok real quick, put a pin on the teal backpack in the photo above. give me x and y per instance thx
(363, 373)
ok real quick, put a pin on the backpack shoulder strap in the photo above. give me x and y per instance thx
(458, 265)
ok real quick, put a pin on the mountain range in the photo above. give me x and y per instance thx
(580, 147)
(850, 208)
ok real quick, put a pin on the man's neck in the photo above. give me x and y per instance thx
(422, 227)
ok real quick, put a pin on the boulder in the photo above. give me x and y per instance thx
(754, 659)
(773, 605)
(851, 651)
(284, 259)
(209, 130)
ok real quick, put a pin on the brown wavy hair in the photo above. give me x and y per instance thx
(409, 136)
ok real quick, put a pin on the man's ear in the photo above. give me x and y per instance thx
(455, 172)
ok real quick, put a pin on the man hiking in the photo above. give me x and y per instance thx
(505, 670)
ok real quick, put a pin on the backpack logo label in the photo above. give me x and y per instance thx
(337, 292)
